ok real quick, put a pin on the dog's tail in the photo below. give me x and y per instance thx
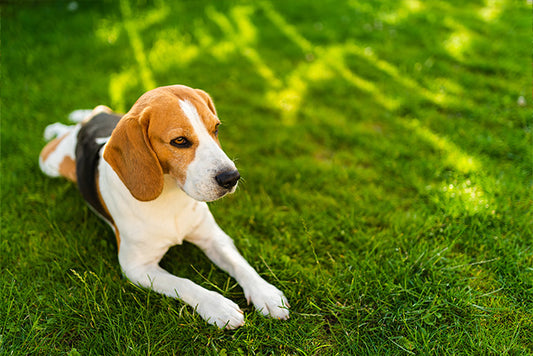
(58, 157)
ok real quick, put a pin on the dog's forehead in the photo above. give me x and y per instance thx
(184, 110)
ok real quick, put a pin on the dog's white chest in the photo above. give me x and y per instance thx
(168, 219)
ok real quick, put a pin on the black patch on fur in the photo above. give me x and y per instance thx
(88, 156)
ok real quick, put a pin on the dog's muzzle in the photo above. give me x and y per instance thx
(228, 179)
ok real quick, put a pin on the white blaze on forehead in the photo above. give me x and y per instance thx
(209, 160)
(208, 151)
(192, 114)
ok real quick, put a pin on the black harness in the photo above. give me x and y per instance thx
(91, 138)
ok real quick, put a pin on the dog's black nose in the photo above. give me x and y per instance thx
(228, 179)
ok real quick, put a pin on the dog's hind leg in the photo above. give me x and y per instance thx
(58, 157)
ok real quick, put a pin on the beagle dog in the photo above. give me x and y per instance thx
(149, 174)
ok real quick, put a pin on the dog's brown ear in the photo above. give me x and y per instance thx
(131, 156)
(207, 100)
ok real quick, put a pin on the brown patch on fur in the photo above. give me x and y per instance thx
(131, 156)
(67, 169)
(117, 235)
(207, 100)
(108, 214)
(51, 147)
(139, 150)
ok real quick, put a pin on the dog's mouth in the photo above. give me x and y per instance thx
(221, 184)
(212, 195)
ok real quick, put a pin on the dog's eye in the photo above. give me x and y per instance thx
(216, 130)
(181, 142)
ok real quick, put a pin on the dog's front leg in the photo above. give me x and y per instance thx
(219, 247)
(140, 265)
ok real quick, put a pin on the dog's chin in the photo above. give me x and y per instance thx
(209, 195)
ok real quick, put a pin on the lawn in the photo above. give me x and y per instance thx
(386, 151)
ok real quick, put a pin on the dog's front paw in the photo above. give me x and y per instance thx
(269, 300)
(220, 311)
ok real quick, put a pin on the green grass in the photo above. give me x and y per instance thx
(387, 164)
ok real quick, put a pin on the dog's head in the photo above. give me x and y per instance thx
(171, 130)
